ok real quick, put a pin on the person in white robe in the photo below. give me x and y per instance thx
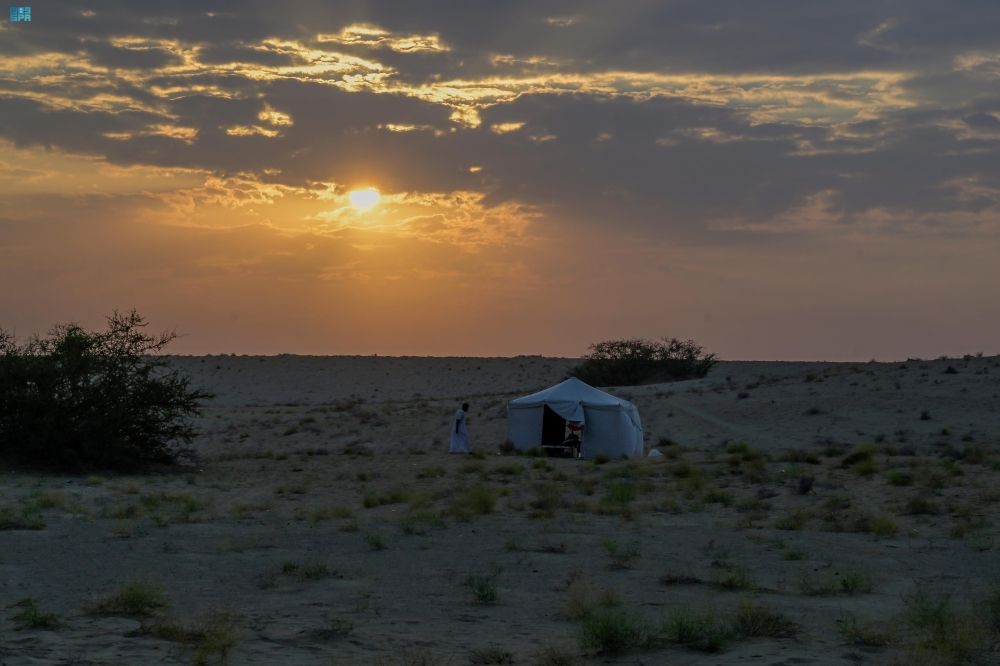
(460, 432)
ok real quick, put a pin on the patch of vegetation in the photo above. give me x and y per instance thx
(394, 496)
(79, 400)
(637, 361)
(800, 456)
(700, 630)
(475, 501)
(582, 599)
(134, 599)
(492, 654)
(29, 616)
(864, 633)
(547, 499)
(863, 453)
(556, 656)
(335, 629)
(173, 507)
(942, 632)
(483, 588)
(919, 505)
(420, 521)
(210, 639)
(13, 519)
(755, 621)
(622, 557)
(794, 520)
(307, 572)
(732, 578)
(848, 581)
(374, 541)
(898, 477)
(433, 472)
(614, 632)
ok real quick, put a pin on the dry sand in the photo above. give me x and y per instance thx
(325, 524)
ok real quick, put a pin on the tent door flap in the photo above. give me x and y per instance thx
(553, 427)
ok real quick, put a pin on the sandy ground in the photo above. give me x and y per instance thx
(325, 524)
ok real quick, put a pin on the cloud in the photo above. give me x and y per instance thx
(502, 136)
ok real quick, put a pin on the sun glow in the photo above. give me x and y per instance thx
(364, 199)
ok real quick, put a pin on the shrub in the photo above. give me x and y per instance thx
(734, 578)
(476, 501)
(374, 541)
(582, 599)
(622, 557)
(638, 361)
(82, 400)
(863, 634)
(698, 630)
(136, 599)
(483, 588)
(214, 636)
(944, 633)
(614, 631)
(493, 654)
(12, 519)
(30, 616)
(898, 477)
(754, 621)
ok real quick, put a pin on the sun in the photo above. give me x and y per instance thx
(365, 198)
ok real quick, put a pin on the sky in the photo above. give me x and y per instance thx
(780, 180)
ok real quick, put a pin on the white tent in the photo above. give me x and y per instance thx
(611, 425)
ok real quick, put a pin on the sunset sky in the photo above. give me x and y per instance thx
(778, 180)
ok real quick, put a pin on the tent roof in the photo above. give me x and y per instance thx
(570, 391)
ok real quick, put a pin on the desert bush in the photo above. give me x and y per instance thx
(79, 400)
(393, 496)
(135, 599)
(622, 557)
(754, 621)
(476, 501)
(945, 633)
(492, 654)
(483, 588)
(795, 519)
(615, 631)
(638, 361)
(733, 577)
(30, 616)
(23, 519)
(582, 599)
(375, 541)
(697, 630)
(898, 477)
(210, 639)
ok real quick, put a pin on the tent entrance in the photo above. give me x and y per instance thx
(553, 427)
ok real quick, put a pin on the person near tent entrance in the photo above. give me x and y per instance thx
(460, 432)
(574, 430)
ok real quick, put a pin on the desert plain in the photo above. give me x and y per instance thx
(800, 513)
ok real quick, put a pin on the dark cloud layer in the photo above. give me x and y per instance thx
(727, 125)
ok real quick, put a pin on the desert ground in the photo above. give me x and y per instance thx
(801, 513)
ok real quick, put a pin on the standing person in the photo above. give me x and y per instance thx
(460, 432)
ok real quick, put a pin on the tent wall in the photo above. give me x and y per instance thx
(524, 427)
(609, 432)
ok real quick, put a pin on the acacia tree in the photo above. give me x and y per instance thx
(79, 400)
(639, 361)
